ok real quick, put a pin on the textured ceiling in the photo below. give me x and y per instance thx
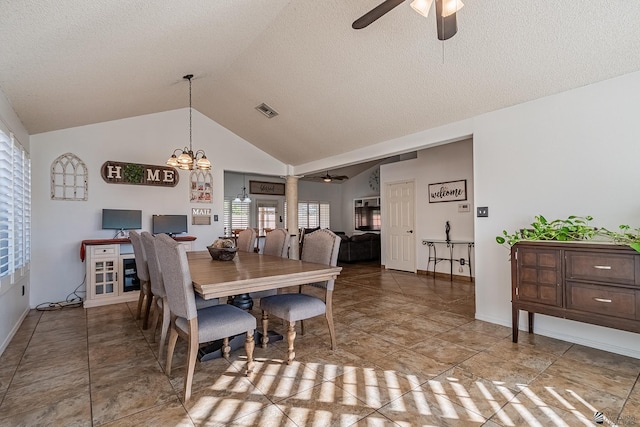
(72, 62)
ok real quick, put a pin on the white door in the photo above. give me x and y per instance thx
(401, 244)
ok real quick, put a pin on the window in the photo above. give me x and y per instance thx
(266, 214)
(236, 215)
(313, 214)
(15, 210)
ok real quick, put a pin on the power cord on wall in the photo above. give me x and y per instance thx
(73, 300)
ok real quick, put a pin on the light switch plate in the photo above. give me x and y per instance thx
(464, 207)
(482, 212)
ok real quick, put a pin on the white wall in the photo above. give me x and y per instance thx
(355, 188)
(13, 304)
(575, 153)
(449, 162)
(60, 226)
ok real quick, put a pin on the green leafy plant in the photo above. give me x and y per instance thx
(626, 236)
(574, 228)
(133, 173)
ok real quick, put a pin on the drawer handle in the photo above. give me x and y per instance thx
(602, 300)
(602, 267)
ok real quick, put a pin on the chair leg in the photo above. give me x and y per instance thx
(249, 345)
(166, 320)
(329, 315)
(191, 358)
(147, 307)
(154, 322)
(265, 329)
(291, 336)
(173, 338)
(140, 300)
(226, 349)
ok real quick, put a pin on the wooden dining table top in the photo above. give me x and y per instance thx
(252, 272)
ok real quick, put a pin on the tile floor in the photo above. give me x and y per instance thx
(409, 354)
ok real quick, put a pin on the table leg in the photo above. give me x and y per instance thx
(515, 320)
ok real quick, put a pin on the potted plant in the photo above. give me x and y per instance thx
(574, 228)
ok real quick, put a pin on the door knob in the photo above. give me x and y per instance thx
(409, 231)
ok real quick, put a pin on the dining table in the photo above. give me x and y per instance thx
(249, 272)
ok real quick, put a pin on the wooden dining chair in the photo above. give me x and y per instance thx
(145, 296)
(321, 247)
(246, 240)
(197, 326)
(159, 294)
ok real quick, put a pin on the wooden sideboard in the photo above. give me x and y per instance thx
(597, 283)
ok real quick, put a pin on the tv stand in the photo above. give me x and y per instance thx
(110, 270)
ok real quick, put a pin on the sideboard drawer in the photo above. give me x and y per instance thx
(104, 250)
(602, 267)
(606, 300)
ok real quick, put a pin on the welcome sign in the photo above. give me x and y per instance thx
(450, 191)
(139, 174)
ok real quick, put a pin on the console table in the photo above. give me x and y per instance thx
(597, 283)
(450, 244)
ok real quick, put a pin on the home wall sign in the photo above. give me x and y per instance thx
(139, 174)
(263, 187)
(448, 191)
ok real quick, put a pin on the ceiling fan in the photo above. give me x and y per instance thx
(329, 178)
(445, 14)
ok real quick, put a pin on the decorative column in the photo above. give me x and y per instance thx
(291, 193)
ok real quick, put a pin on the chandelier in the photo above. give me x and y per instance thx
(243, 197)
(187, 160)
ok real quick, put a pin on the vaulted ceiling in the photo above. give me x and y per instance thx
(75, 62)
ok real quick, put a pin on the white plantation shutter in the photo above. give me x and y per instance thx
(312, 214)
(6, 205)
(15, 209)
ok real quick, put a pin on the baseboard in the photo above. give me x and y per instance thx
(567, 337)
(446, 276)
(13, 332)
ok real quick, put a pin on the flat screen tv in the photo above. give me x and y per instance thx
(169, 224)
(121, 219)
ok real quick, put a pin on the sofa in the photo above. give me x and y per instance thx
(359, 247)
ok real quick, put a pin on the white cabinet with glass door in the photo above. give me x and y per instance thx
(107, 281)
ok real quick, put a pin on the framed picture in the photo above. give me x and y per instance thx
(450, 191)
(201, 183)
(263, 187)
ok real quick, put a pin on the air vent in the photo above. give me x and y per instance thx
(266, 110)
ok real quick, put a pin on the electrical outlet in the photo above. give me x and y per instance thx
(482, 212)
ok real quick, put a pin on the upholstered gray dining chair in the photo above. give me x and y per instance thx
(145, 297)
(321, 247)
(246, 240)
(276, 243)
(197, 326)
(161, 307)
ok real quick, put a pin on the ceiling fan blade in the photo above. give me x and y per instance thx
(448, 25)
(375, 14)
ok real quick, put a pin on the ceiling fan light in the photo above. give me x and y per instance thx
(449, 7)
(422, 6)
